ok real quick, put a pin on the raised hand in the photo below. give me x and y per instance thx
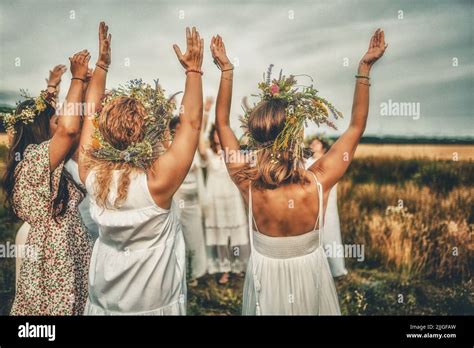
(376, 49)
(55, 75)
(219, 54)
(105, 41)
(191, 60)
(80, 64)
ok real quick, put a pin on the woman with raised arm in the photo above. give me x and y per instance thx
(52, 277)
(138, 261)
(288, 272)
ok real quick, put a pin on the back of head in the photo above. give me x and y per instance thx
(272, 168)
(121, 123)
(35, 131)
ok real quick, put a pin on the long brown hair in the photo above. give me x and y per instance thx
(265, 122)
(212, 141)
(121, 123)
(33, 133)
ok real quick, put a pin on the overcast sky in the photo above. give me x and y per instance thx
(427, 39)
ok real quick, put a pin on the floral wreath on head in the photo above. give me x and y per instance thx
(28, 114)
(159, 111)
(303, 105)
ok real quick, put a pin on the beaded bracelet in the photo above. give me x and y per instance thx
(362, 77)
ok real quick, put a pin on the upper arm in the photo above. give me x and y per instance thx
(171, 168)
(61, 144)
(84, 144)
(332, 166)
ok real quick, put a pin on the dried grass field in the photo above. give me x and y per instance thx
(411, 206)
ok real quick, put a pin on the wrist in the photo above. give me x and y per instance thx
(194, 71)
(103, 63)
(364, 69)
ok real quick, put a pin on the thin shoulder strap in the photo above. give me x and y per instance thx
(250, 214)
(321, 210)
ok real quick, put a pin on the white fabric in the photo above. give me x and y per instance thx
(332, 230)
(138, 261)
(289, 275)
(188, 200)
(225, 219)
(73, 168)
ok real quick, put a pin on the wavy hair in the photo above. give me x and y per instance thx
(265, 122)
(121, 123)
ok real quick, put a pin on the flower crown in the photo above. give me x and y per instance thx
(28, 114)
(158, 114)
(302, 105)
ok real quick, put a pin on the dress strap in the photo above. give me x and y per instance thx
(251, 218)
(256, 281)
(321, 210)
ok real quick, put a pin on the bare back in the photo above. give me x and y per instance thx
(288, 210)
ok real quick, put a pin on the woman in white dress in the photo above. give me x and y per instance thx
(138, 261)
(225, 218)
(332, 229)
(288, 272)
(190, 199)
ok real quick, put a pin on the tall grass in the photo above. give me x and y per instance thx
(416, 219)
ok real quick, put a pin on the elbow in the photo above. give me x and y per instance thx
(68, 131)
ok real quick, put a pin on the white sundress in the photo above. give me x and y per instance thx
(289, 275)
(84, 207)
(225, 219)
(190, 200)
(138, 261)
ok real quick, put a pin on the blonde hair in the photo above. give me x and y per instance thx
(121, 123)
(271, 169)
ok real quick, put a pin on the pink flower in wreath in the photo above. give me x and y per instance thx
(274, 89)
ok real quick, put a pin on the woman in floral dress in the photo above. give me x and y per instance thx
(53, 278)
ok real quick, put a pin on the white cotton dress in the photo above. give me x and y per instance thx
(225, 220)
(332, 239)
(138, 261)
(189, 199)
(289, 275)
(84, 207)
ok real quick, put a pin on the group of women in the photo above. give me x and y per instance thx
(146, 194)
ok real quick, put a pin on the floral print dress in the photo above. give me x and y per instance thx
(53, 279)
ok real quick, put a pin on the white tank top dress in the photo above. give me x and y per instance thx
(289, 275)
(138, 261)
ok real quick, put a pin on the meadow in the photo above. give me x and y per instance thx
(412, 209)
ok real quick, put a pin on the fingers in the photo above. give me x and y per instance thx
(101, 30)
(372, 42)
(194, 37)
(189, 40)
(201, 51)
(178, 52)
(383, 45)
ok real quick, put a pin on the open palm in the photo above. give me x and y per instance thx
(219, 54)
(376, 49)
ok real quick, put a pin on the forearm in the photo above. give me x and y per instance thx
(192, 105)
(69, 120)
(360, 106)
(224, 99)
(95, 91)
